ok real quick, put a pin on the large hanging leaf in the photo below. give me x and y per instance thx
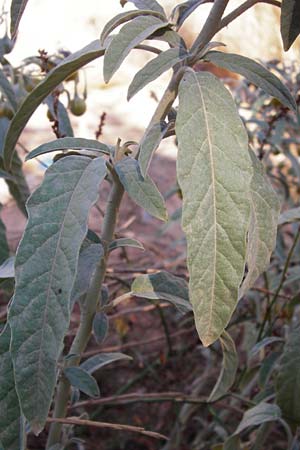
(142, 191)
(265, 209)
(289, 216)
(11, 422)
(214, 172)
(288, 378)
(68, 143)
(59, 73)
(125, 17)
(8, 91)
(46, 264)
(146, 4)
(229, 367)
(130, 35)
(154, 68)
(255, 73)
(149, 143)
(17, 9)
(289, 22)
(163, 286)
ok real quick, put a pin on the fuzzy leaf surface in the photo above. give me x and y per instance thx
(265, 209)
(82, 380)
(255, 73)
(68, 143)
(261, 413)
(229, 367)
(17, 9)
(59, 73)
(289, 22)
(163, 286)
(11, 422)
(103, 359)
(154, 68)
(288, 378)
(46, 265)
(125, 242)
(149, 143)
(130, 35)
(100, 327)
(142, 191)
(214, 172)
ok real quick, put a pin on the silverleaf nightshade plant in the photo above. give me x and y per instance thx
(230, 211)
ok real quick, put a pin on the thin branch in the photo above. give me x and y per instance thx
(149, 48)
(112, 426)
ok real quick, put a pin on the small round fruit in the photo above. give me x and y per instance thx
(77, 106)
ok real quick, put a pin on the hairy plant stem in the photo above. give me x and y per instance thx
(92, 299)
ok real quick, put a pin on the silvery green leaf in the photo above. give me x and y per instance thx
(142, 191)
(125, 17)
(125, 242)
(255, 73)
(149, 143)
(154, 68)
(289, 22)
(17, 9)
(262, 344)
(289, 216)
(100, 327)
(265, 209)
(287, 381)
(229, 367)
(7, 269)
(11, 421)
(8, 91)
(82, 380)
(261, 413)
(59, 73)
(163, 286)
(46, 264)
(68, 143)
(214, 172)
(103, 359)
(146, 4)
(130, 35)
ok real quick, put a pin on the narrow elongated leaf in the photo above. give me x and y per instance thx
(150, 142)
(4, 249)
(103, 359)
(17, 9)
(163, 286)
(146, 4)
(46, 264)
(8, 91)
(289, 22)
(100, 327)
(6, 175)
(289, 216)
(214, 172)
(261, 413)
(287, 381)
(182, 11)
(142, 191)
(59, 73)
(7, 268)
(125, 17)
(60, 113)
(255, 73)
(130, 35)
(154, 68)
(68, 143)
(229, 367)
(125, 242)
(90, 254)
(265, 209)
(262, 344)
(11, 421)
(170, 36)
(82, 380)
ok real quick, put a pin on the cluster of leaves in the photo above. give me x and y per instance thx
(229, 216)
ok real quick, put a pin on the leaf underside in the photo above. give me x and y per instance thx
(289, 22)
(214, 172)
(46, 264)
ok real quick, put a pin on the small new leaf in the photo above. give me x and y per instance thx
(142, 191)
(125, 242)
(82, 380)
(103, 359)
